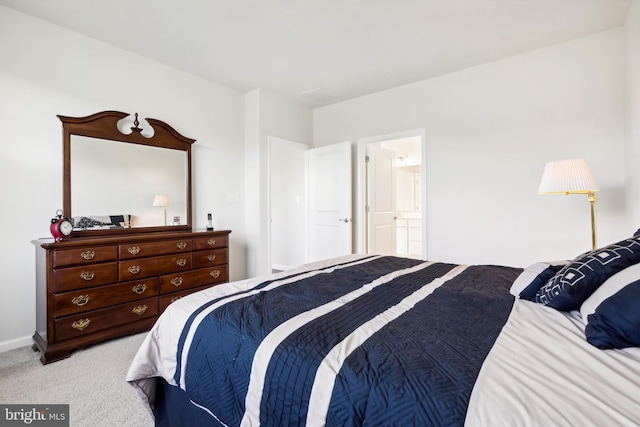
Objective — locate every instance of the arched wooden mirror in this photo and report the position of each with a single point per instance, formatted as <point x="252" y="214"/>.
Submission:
<point x="117" y="181"/>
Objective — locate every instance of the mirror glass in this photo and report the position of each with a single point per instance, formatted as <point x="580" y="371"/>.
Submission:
<point x="112" y="179"/>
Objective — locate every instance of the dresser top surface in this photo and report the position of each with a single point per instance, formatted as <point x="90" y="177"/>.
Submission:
<point x="50" y="243"/>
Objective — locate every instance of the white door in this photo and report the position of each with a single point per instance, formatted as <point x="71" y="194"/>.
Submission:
<point x="381" y="200"/>
<point x="287" y="203"/>
<point x="330" y="215"/>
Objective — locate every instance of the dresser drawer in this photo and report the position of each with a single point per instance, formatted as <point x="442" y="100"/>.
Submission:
<point x="138" y="268"/>
<point x="103" y="296"/>
<point x="190" y="279"/>
<point x="210" y="242"/>
<point x="97" y="320"/>
<point x="209" y="258"/>
<point x="140" y="250"/>
<point x="66" y="279"/>
<point x="167" y="299"/>
<point x="81" y="256"/>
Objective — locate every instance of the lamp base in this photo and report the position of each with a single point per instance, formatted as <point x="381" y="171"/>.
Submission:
<point x="594" y="232"/>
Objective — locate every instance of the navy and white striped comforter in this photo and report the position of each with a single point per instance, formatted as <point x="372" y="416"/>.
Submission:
<point x="376" y="340"/>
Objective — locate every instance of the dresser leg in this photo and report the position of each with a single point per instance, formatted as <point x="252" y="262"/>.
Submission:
<point x="50" y="353"/>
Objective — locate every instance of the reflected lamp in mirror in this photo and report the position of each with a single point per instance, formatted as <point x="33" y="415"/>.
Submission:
<point x="571" y="177"/>
<point x="162" y="201"/>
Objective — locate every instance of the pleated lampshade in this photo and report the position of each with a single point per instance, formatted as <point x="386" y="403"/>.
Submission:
<point x="567" y="177"/>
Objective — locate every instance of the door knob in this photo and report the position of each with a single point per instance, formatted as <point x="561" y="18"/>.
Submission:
<point x="345" y="220"/>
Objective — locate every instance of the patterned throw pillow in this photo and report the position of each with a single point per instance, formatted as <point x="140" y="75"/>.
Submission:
<point x="575" y="282"/>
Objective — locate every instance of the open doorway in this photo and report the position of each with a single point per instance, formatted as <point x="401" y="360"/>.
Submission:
<point x="403" y="230"/>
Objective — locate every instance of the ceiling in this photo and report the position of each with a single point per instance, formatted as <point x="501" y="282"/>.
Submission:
<point x="319" y="52"/>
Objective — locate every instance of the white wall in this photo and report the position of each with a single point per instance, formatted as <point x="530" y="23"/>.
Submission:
<point x="46" y="70"/>
<point x="489" y="131"/>
<point x="632" y="135"/>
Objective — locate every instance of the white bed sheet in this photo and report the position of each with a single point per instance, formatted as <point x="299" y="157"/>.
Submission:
<point x="542" y="372"/>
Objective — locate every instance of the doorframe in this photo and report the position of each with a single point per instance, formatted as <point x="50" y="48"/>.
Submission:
<point x="360" y="194"/>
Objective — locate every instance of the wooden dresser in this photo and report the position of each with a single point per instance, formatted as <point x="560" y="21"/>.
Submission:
<point x="90" y="290"/>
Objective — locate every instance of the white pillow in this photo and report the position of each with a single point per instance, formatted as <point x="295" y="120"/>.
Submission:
<point x="609" y="288"/>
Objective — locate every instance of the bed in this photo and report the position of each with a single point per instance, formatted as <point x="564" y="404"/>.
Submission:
<point x="381" y="340"/>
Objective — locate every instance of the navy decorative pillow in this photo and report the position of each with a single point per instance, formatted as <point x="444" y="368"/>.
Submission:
<point x="576" y="281"/>
<point x="616" y="321"/>
<point x="533" y="278"/>
<point x="609" y="288"/>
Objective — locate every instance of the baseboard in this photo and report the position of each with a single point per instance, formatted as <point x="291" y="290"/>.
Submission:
<point x="15" y="343"/>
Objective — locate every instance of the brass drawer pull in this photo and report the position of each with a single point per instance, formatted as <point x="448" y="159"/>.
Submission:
<point x="181" y="262"/>
<point x="211" y="242"/>
<point x="181" y="245"/>
<point x="139" y="288"/>
<point x="134" y="269"/>
<point x="81" y="324"/>
<point x="211" y="257"/>
<point x="139" y="310"/>
<point x="215" y="274"/>
<point x="134" y="250"/>
<point x="174" y="299"/>
<point x="88" y="275"/>
<point x="88" y="254"/>
<point x="176" y="281"/>
<point x="80" y="300"/>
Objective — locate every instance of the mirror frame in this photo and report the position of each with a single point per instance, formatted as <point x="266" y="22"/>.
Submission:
<point x="104" y="125"/>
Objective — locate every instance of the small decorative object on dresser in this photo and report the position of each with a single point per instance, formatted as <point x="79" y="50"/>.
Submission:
<point x="60" y="227"/>
<point x="115" y="279"/>
<point x="209" y="223"/>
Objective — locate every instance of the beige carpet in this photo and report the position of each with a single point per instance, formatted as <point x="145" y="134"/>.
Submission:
<point x="91" y="381"/>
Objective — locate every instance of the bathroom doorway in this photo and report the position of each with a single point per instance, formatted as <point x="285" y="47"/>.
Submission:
<point x="393" y="214"/>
